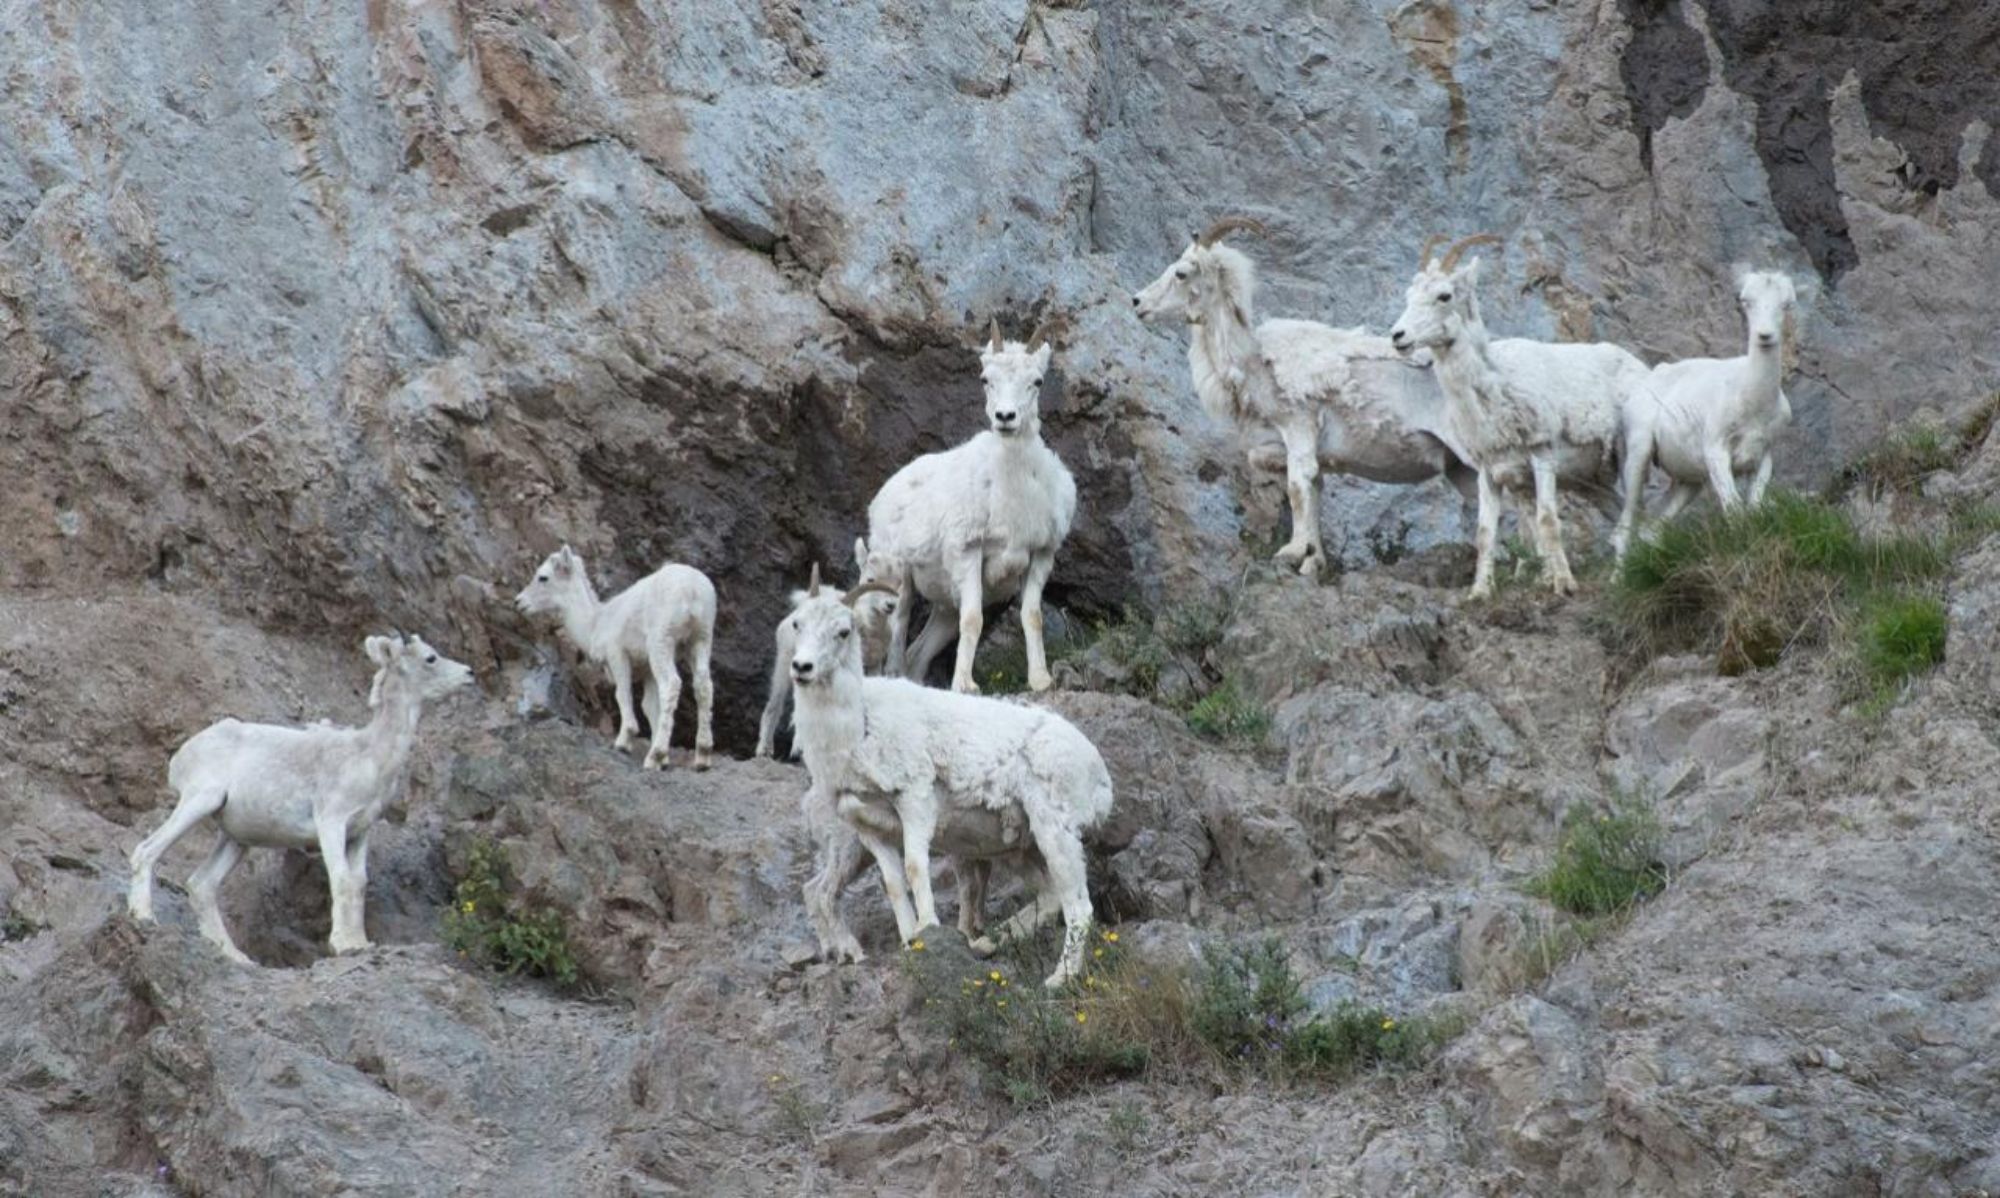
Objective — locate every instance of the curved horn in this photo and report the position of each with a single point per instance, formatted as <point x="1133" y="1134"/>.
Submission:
<point x="1452" y="255"/>
<point x="993" y="334"/>
<point x="1041" y="333"/>
<point x="867" y="588"/>
<point x="1430" y="247"/>
<point x="812" y="588"/>
<point x="1230" y="224"/>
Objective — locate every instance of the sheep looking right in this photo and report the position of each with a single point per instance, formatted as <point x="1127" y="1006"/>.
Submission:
<point x="930" y="755"/>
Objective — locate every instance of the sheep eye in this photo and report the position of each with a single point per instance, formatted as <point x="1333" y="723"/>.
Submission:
<point x="541" y="578"/>
<point x="1444" y="297"/>
<point x="1181" y="273"/>
<point x="432" y="659"/>
<point x="795" y="625"/>
<point x="1037" y="382"/>
<point x="844" y="633"/>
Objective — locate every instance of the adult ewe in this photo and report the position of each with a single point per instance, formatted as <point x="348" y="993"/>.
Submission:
<point x="649" y="622"/>
<point x="976" y="524"/>
<point x="298" y="788"/>
<point x="930" y="755"/>
<point x="1525" y="413"/>
<point x="1337" y="399"/>
<point x="873" y="610"/>
<point x="1706" y="420"/>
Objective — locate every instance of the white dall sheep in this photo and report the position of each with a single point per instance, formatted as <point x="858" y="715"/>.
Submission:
<point x="975" y="524"/>
<point x="300" y="788"/>
<point x="1525" y="413"/>
<point x="1338" y="399"/>
<point x="648" y="623"/>
<point x="873" y="611"/>
<point x="1706" y="420"/>
<point x="927" y="754"/>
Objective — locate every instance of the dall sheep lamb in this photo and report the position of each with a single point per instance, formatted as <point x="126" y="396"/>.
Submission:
<point x="1337" y="399"/>
<point x="1525" y="413"/>
<point x="319" y="787"/>
<point x="872" y="611"/>
<point x="929" y="755"/>
<point x="1706" y="420"/>
<point x="975" y="524"/>
<point x="669" y="610"/>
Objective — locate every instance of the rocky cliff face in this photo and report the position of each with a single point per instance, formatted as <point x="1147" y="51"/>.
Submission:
<point x="316" y="320"/>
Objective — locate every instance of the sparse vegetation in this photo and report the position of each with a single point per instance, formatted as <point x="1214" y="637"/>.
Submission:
<point x="800" y="1116"/>
<point x="1229" y="713"/>
<point x="487" y="924"/>
<point x="1240" y="1015"/>
<point x="1752" y="584"/>
<point x="1909" y="455"/>
<point x="1901" y="636"/>
<point x="16" y="926"/>
<point x="1606" y="861"/>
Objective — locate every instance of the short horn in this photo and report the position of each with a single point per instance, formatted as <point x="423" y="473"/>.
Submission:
<point x="1430" y="247"/>
<point x="864" y="589"/>
<point x="812" y="588"/>
<point x="993" y="334"/>
<point x="1452" y="255"/>
<point x="1230" y="224"/>
<point x="1040" y="336"/>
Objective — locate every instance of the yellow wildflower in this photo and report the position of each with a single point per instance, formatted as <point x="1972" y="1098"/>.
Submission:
<point x="1097" y="952"/>
<point x="466" y="907"/>
<point x="1111" y="937"/>
<point x="1388" y="1025"/>
<point x="1000" y="1002"/>
<point x="1080" y="1017"/>
<point x="776" y="1078"/>
<point x="979" y="981"/>
<point x="994" y="974"/>
<point x="916" y="946"/>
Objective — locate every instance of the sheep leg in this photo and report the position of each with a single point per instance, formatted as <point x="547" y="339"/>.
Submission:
<point x="194" y="807"/>
<point x="621" y="681"/>
<point x="1062" y="855"/>
<point x="774" y="707"/>
<point x="1548" y="526"/>
<point x="1678" y="496"/>
<point x="1631" y="476"/>
<point x="1488" y="532"/>
<point x="894" y="665"/>
<point x="967" y="580"/>
<point x="348" y="934"/>
<point x="939" y="629"/>
<point x="660" y="660"/>
<point x="890" y="863"/>
<point x="1760" y="480"/>
<point x="917" y="808"/>
<point x="649" y="701"/>
<point x="1301" y="439"/>
<point x="1038" y="910"/>
<point x="206" y="885"/>
<point x="974" y="874"/>
<point x="704" y="700"/>
<point x="1721" y="474"/>
<point x="1031" y="620"/>
<point x="841" y="861"/>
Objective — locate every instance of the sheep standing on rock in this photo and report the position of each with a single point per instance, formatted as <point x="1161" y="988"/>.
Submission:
<point x="1337" y="399"/>
<point x="975" y="524"/>
<point x="650" y="621"/>
<point x="319" y="787"/>
<point x="873" y="613"/>
<point x="929" y="755"/>
<point x="1525" y="413"/>
<point x="1706" y="420"/>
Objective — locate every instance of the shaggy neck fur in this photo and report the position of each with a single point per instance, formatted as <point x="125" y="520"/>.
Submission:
<point x="831" y="721"/>
<point x="580" y="610"/>
<point x="1222" y="350"/>
<point x="392" y="733"/>
<point x="1484" y="418"/>
<point x="1764" y="371"/>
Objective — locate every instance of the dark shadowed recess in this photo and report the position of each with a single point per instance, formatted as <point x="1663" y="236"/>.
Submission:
<point x="1926" y="68"/>
<point x="755" y="512"/>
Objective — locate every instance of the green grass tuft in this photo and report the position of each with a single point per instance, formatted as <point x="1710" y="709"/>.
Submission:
<point x="1605" y="862"/>
<point x="1228" y="713"/>
<point x="1901" y="636"/>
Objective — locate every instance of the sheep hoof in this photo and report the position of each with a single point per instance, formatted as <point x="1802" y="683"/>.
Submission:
<point x="1482" y="590"/>
<point x="624" y="739"/>
<point x="1309" y="567"/>
<point x="703" y="760"/>
<point x="765" y="751"/>
<point x="983" y="947"/>
<point x="1289" y="554"/>
<point x="1565" y="585"/>
<point x="141" y="913"/>
<point x="342" y="948"/>
<point x="656" y="760"/>
<point x="236" y="954"/>
<point x="965" y="687"/>
<point x="1041" y="681"/>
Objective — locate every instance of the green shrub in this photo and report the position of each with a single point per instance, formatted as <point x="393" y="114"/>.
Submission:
<point x="487" y="924"/>
<point x="1908" y="455"/>
<point x="1750" y="584"/>
<point x="16" y="926"/>
<point x="1606" y="860"/>
<point x="1228" y="713"/>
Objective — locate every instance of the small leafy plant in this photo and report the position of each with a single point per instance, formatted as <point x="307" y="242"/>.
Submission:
<point x="486" y="923"/>
<point x="1606" y="861"/>
<point x="1228" y="713"/>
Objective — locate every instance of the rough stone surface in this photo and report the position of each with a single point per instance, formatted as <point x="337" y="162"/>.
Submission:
<point x="318" y="321"/>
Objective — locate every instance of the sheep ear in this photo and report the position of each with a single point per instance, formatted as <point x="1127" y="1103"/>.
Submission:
<point x="797" y="597"/>
<point x="377" y="649"/>
<point x="1470" y="271"/>
<point x="1194" y="237"/>
<point x="861" y="553"/>
<point x="1738" y="271"/>
<point x="1043" y="355"/>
